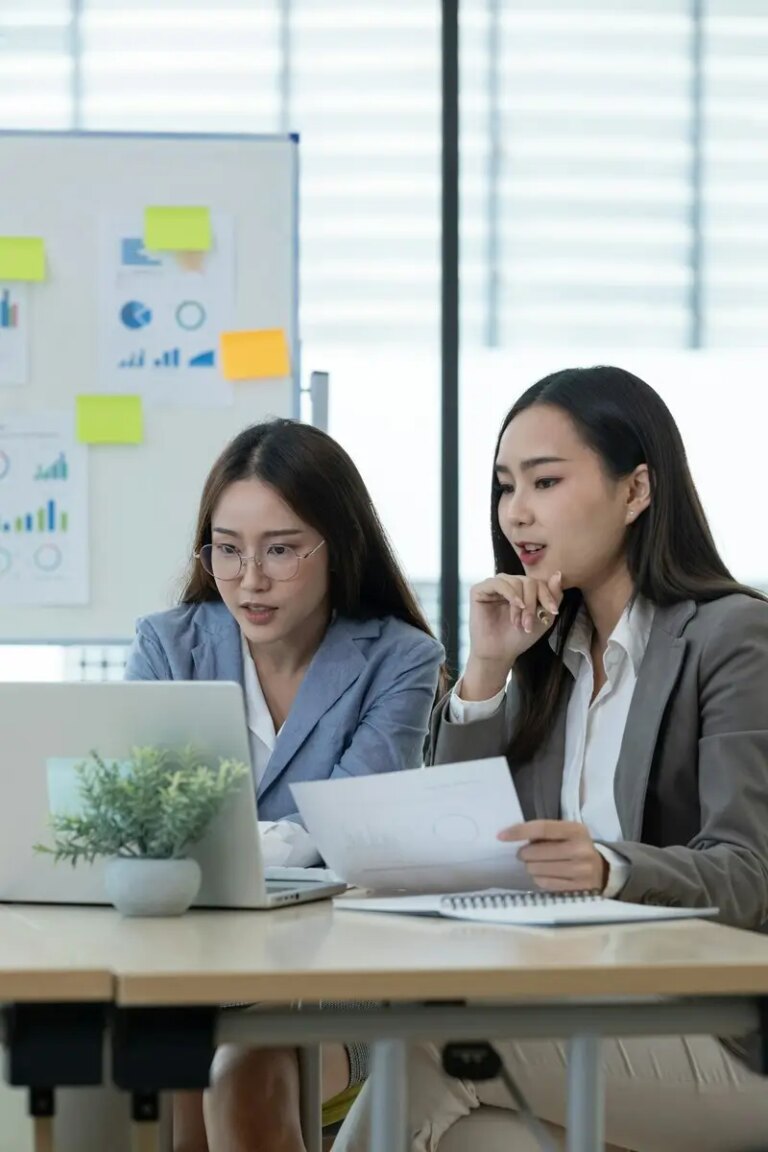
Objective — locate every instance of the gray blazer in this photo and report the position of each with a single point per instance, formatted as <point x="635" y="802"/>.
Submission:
<point x="363" y="705"/>
<point x="691" y="782"/>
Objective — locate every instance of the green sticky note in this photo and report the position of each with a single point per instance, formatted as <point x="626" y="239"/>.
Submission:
<point x="177" y="229"/>
<point x="109" y="420"/>
<point x="22" y="258"/>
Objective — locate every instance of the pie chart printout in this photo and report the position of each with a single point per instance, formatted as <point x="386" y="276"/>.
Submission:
<point x="134" y="314"/>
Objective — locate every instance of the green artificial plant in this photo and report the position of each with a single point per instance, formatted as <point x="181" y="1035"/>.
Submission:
<point x="154" y="805"/>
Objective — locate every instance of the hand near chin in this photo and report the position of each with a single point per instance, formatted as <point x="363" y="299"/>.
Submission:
<point x="507" y="616"/>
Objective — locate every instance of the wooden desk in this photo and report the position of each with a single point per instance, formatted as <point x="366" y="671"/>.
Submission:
<point x="36" y="966"/>
<point x="316" y="952"/>
<point x="577" y="983"/>
<point x="56" y="988"/>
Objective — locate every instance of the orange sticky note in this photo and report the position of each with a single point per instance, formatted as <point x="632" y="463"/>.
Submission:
<point x="261" y="354"/>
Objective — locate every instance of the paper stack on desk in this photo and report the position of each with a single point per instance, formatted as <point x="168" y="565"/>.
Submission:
<point x="426" y="830"/>
<point x="533" y="909"/>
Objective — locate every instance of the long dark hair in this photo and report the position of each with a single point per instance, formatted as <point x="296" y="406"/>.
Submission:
<point x="315" y="476"/>
<point x="670" y="552"/>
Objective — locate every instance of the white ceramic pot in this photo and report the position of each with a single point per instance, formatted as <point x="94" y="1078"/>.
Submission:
<point x="140" y="887"/>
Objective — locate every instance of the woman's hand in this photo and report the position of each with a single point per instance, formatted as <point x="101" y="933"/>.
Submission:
<point x="560" y="855"/>
<point x="507" y="616"/>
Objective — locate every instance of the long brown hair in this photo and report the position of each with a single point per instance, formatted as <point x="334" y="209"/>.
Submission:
<point x="315" y="476"/>
<point x="670" y="552"/>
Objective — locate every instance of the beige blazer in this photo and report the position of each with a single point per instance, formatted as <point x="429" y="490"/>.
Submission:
<point x="691" y="782"/>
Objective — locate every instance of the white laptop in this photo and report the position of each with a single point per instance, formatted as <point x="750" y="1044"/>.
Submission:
<point x="48" y="728"/>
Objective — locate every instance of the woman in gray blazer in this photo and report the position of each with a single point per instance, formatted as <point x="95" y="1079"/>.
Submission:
<point x="624" y="673"/>
<point x="293" y="592"/>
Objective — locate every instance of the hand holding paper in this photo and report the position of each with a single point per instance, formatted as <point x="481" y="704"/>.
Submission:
<point x="426" y="830"/>
<point x="560" y="855"/>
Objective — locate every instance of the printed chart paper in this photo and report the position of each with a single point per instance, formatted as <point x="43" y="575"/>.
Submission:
<point x="161" y="314"/>
<point x="14" y="332"/>
<point x="424" y="830"/>
<point x="43" y="511"/>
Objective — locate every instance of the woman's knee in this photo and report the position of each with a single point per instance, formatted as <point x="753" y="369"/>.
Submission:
<point x="257" y="1087"/>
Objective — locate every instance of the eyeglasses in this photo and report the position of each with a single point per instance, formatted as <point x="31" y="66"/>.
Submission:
<point x="278" y="562"/>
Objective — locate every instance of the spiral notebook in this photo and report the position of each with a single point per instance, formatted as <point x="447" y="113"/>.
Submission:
<point x="497" y="906"/>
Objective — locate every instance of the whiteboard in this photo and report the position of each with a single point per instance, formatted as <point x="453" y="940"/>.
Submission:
<point x="142" y="499"/>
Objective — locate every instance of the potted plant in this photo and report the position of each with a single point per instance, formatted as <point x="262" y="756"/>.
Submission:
<point x="143" y="815"/>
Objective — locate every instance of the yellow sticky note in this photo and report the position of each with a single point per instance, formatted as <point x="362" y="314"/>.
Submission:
<point x="22" y="258"/>
<point x="257" y="355"/>
<point x="178" y="229"/>
<point x="109" y="420"/>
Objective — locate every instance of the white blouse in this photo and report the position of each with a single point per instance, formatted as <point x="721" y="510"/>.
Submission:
<point x="283" y="842"/>
<point x="594" y="729"/>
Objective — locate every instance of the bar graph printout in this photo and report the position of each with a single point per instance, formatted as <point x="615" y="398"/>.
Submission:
<point x="43" y="511"/>
<point x="161" y="313"/>
<point x="14" y="332"/>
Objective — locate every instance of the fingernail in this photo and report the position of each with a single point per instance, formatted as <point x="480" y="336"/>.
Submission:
<point x="527" y="623"/>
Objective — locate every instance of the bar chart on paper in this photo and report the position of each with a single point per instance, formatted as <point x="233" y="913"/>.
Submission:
<point x="160" y="314"/>
<point x="43" y="512"/>
<point x="13" y="333"/>
<point x="45" y="519"/>
<point x="9" y="310"/>
<point x="57" y="470"/>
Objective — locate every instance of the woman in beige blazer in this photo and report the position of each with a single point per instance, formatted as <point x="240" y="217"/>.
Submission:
<point x="624" y="672"/>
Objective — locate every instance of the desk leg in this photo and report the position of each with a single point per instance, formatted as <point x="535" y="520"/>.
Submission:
<point x="42" y="1108"/>
<point x="586" y="1103"/>
<point x="145" y="1137"/>
<point x="43" y="1134"/>
<point x="389" y="1097"/>
<point x="145" y="1122"/>
<point x="311" y="1098"/>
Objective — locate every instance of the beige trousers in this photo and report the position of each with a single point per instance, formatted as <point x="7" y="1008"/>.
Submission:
<point x="663" y="1094"/>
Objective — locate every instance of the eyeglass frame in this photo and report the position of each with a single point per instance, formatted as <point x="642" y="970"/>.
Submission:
<point x="245" y="561"/>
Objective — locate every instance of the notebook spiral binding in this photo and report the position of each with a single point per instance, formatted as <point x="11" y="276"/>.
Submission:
<point x="518" y="899"/>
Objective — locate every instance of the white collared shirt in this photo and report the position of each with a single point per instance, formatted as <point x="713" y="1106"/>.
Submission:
<point x="593" y="729"/>
<point x="283" y="842"/>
